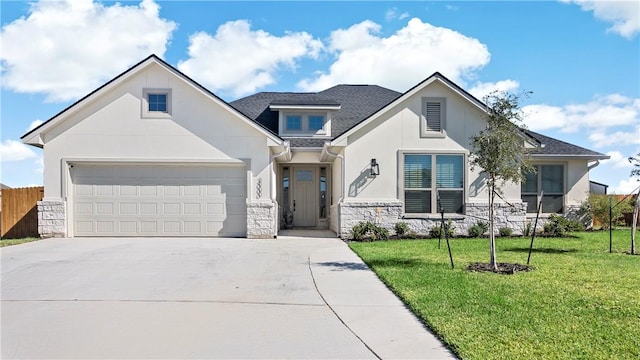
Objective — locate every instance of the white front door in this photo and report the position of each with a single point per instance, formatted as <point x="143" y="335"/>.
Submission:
<point x="305" y="196"/>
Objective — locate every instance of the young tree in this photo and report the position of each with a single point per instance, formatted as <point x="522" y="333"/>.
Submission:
<point x="635" y="172"/>
<point x="499" y="152"/>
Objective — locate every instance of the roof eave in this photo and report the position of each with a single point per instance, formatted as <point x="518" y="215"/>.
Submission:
<point x="569" y="156"/>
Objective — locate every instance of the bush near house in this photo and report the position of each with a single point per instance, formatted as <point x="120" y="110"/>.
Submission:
<point x="369" y="231"/>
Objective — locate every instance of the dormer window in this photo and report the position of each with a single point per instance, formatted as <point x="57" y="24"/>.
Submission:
<point x="304" y="124"/>
<point x="309" y="118"/>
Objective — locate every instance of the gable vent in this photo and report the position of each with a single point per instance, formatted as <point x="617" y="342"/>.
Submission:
<point x="433" y="115"/>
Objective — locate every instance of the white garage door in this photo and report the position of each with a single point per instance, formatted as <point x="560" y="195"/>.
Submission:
<point x="159" y="200"/>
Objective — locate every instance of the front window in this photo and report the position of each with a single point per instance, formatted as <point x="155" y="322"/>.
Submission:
<point x="429" y="188"/>
<point x="548" y="183"/>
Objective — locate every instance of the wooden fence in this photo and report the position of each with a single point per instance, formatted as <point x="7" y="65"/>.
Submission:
<point x="20" y="212"/>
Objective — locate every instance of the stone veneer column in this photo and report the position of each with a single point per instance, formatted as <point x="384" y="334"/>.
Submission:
<point x="260" y="220"/>
<point x="51" y="218"/>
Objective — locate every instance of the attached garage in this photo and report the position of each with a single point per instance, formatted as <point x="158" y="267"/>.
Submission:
<point x="159" y="200"/>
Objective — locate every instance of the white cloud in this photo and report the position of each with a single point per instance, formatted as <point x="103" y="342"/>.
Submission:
<point x="625" y="15"/>
<point x="625" y="186"/>
<point x="617" y="160"/>
<point x="392" y="14"/>
<point x="39" y="165"/>
<point x="247" y="59"/>
<point x="65" y="49"/>
<point x="34" y="124"/>
<point x="601" y="138"/>
<point x="13" y="150"/>
<point x="413" y="52"/>
<point x="601" y="113"/>
<point x="482" y="89"/>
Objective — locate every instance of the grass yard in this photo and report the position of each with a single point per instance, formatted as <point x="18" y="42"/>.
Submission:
<point x="9" y="242"/>
<point x="581" y="302"/>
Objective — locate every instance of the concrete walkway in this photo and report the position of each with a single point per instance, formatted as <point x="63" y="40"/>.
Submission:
<point x="291" y="297"/>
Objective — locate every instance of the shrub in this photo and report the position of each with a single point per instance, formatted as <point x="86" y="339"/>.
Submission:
<point x="364" y="230"/>
<point x="558" y="225"/>
<point x="402" y="228"/>
<point x="599" y="205"/>
<point x="505" y="231"/>
<point x="478" y="229"/>
<point x="436" y="231"/>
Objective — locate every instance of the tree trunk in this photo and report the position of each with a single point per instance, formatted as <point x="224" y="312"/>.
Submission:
<point x="634" y="223"/>
<point x="492" y="236"/>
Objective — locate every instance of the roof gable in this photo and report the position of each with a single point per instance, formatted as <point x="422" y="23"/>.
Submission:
<point x="417" y="88"/>
<point x="34" y="136"/>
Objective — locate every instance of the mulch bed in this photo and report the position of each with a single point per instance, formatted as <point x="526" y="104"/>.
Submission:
<point x="503" y="268"/>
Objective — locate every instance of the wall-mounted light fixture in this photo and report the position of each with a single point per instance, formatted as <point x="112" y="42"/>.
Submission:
<point x="375" y="168"/>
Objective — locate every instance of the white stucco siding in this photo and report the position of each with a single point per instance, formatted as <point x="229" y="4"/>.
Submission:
<point x="399" y="130"/>
<point x="113" y="127"/>
<point x="577" y="182"/>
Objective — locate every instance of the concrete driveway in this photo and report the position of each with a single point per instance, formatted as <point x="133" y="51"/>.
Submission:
<point x="201" y="298"/>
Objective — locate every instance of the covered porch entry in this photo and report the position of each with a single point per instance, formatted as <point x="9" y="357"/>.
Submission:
<point x="304" y="196"/>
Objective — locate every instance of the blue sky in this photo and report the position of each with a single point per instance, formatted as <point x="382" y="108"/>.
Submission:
<point x="581" y="59"/>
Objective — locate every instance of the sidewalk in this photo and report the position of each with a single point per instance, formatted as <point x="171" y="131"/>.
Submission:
<point x="369" y="309"/>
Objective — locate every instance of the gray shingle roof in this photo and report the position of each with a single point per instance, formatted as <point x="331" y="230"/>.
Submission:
<point x="555" y="147"/>
<point x="356" y="102"/>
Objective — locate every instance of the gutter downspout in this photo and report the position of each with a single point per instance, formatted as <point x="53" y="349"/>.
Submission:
<point x="589" y="167"/>
<point x="276" y="223"/>
<point x="342" y="181"/>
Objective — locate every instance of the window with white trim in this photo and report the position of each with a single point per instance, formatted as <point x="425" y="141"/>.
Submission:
<point x="548" y="180"/>
<point x="433" y="119"/>
<point x="304" y="124"/>
<point x="431" y="182"/>
<point x="156" y="103"/>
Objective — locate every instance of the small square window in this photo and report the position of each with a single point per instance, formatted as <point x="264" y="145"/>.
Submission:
<point x="157" y="102"/>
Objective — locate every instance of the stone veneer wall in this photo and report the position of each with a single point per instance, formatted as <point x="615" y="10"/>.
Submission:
<point x="383" y="213"/>
<point x="51" y="218"/>
<point x="260" y="220"/>
<point x="333" y="218"/>
<point x="387" y="214"/>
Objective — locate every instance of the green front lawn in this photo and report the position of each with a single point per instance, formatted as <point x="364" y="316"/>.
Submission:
<point x="581" y="302"/>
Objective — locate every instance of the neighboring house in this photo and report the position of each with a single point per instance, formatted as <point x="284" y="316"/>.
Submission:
<point x="598" y="188"/>
<point x="153" y="153"/>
